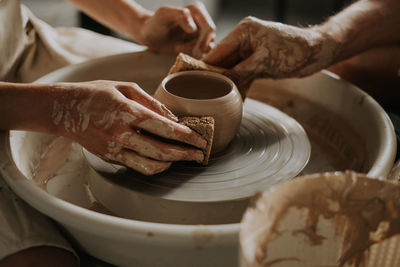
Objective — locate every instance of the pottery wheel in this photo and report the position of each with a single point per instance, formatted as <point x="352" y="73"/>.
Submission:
<point x="269" y="148"/>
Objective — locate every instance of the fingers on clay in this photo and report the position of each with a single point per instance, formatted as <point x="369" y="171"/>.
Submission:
<point x="133" y="92"/>
<point x="141" y="164"/>
<point x="163" y="127"/>
<point x="156" y="149"/>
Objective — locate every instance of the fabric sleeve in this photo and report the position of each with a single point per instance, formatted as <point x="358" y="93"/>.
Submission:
<point x="24" y="227"/>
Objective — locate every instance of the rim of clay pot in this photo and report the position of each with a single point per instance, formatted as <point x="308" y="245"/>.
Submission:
<point x="233" y="90"/>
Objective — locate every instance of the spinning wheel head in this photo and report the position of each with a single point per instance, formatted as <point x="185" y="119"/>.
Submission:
<point x="269" y="148"/>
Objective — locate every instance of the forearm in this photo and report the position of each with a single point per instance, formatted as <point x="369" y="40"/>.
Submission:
<point x="123" y="16"/>
<point x="364" y="25"/>
<point x="28" y="107"/>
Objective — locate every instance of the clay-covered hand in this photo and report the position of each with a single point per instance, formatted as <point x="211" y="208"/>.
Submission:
<point x="257" y="48"/>
<point x="171" y="30"/>
<point x="121" y="123"/>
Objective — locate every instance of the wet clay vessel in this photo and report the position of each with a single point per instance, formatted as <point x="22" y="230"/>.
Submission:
<point x="204" y="93"/>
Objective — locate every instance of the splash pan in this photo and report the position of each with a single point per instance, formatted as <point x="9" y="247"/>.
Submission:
<point x="269" y="148"/>
<point x="347" y="129"/>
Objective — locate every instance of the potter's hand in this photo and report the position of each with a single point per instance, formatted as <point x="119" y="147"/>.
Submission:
<point x="119" y="122"/>
<point x="173" y="29"/>
<point x="257" y="48"/>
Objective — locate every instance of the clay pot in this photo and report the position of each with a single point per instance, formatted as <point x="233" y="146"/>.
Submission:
<point x="204" y="93"/>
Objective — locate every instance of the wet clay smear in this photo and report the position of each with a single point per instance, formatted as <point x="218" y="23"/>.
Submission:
<point x="341" y="145"/>
<point x="52" y="160"/>
<point x="362" y="212"/>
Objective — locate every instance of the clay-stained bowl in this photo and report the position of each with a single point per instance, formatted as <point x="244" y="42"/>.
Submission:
<point x="204" y="93"/>
<point x="335" y="112"/>
<point x="346" y="218"/>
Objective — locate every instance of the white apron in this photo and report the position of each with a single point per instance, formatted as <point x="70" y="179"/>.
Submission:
<point x="30" y="48"/>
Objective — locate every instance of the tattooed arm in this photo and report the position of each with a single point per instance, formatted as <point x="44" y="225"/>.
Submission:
<point x="108" y="118"/>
